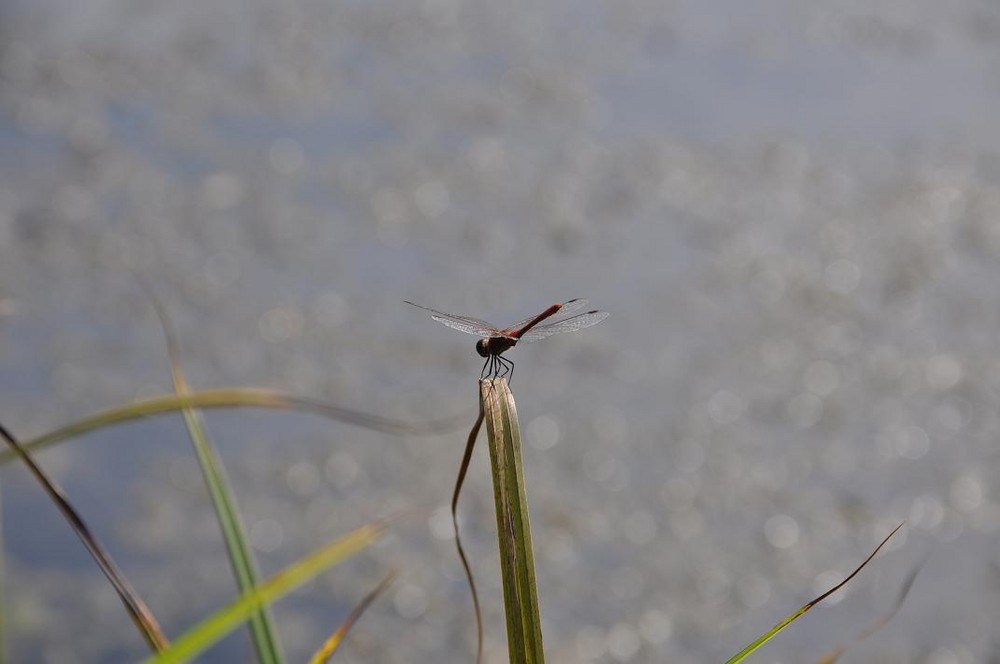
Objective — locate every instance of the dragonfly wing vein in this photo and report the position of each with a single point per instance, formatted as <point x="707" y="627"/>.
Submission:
<point x="577" y="322"/>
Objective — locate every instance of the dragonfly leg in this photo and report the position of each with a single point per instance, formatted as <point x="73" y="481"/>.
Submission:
<point x="506" y="368"/>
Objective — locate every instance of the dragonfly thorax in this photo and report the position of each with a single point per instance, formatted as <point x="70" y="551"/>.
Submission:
<point x="492" y="346"/>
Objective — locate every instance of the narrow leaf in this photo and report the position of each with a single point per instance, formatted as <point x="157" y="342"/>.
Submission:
<point x="333" y="642"/>
<point x="221" y="623"/>
<point x="137" y="609"/>
<point x="241" y="558"/>
<point x="764" y="638"/>
<point x="878" y="623"/>
<point x="231" y="397"/>
<point x="470" y="445"/>
<point x="517" y="565"/>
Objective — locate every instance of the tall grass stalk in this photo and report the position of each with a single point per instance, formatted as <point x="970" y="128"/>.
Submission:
<point x="241" y="558"/>
<point x="517" y="564"/>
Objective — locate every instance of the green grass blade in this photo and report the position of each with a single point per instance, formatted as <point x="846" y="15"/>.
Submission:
<point x="215" y="627"/>
<point x="229" y="397"/>
<point x="767" y="636"/>
<point x="517" y="565"/>
<point x="241" y="558"/>
<point x="237" y="546"/>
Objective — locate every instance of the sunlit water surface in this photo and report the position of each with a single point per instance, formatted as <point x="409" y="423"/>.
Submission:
<point x="792" y="212"/>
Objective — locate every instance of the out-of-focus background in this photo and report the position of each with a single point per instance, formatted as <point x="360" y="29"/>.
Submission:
<point x="792" y="211"/>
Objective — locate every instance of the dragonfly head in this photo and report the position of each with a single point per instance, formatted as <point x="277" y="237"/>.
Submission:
<point x="482" y="347"/>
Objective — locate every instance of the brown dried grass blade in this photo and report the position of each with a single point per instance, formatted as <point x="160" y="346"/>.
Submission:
<point x="333" y="642"/>
<point x="137" y="609"/>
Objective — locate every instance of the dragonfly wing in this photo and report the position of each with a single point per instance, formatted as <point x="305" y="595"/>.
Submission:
<point x="577" y="322"/>
<point x="469" y="326"/>
<point x="465" y="324"/>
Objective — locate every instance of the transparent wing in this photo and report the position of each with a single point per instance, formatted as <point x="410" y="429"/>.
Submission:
<point x="577" y="322"/>
<point x="568" y="307"/>
<point x="461" y="323"/>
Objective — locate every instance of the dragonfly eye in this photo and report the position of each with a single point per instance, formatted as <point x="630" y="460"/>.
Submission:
<point x="482" y="349"/>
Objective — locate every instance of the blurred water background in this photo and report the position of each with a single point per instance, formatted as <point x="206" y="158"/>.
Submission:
<point x="792" y="211"/>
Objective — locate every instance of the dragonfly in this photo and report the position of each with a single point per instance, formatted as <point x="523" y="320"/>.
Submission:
<point x="497" y="340"/>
